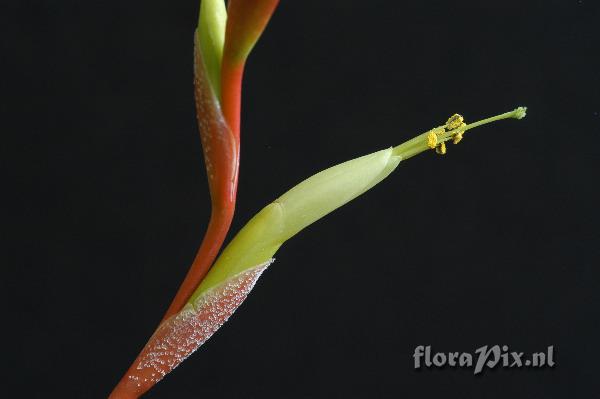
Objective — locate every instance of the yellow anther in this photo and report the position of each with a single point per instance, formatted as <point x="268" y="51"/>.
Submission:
<point x="454" y="121"/>
<point x="432" y="139"/>
<point x="457" y="137"/>
<point x="441" y="149"/>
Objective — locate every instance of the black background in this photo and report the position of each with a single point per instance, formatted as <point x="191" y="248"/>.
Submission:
<point x="495" y="243"/>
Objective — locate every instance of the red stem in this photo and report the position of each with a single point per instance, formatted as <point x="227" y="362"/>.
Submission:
<point x="220" y="221"/>
<point x="231" y="95"/>
<point x="221" y="152"/>
<point x="220" y="132"/>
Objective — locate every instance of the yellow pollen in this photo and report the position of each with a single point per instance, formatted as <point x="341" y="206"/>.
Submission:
<point x="432" y="139"/>
<point x="441" y="149"/>
<point x="457" y="137"/>
<point x="454" y="121"/>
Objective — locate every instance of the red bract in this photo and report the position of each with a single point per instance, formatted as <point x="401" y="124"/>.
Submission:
<point x="219" y="123"/>
<point x="221" y="156"/>
<point x="181" y="334"/>
<point x="246" y="20"/>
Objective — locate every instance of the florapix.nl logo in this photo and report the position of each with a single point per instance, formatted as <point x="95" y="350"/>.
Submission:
<point x="483" y="357"/>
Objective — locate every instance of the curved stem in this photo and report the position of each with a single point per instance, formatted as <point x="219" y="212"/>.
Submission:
<point x="220" y="221"/>
<point x="123" y="391"/>
<point x="231" y="96"/>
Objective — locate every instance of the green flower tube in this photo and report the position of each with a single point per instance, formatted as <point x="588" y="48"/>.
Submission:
<point x="304" y="204"/>
<point x="321" y="194"/>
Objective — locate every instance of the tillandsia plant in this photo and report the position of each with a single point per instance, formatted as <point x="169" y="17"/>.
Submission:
<point x="211" y="292"/>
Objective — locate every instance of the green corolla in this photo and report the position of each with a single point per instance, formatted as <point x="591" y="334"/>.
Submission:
<point x="322" y="193"/>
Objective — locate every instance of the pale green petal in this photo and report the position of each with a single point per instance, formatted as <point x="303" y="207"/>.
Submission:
<point x="211" y="36"/>
<point x="304" y="204"/>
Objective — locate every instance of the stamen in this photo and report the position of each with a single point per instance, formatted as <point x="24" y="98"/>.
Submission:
<point x="458" y="136"/>
<point x="453" y="129"/>
<point x="455" y="121"/>
<point x="441" y="149"/>
<point x="432" y="139"/>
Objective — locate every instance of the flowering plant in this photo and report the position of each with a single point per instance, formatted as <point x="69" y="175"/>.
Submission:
<point x="213" y="290"/>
